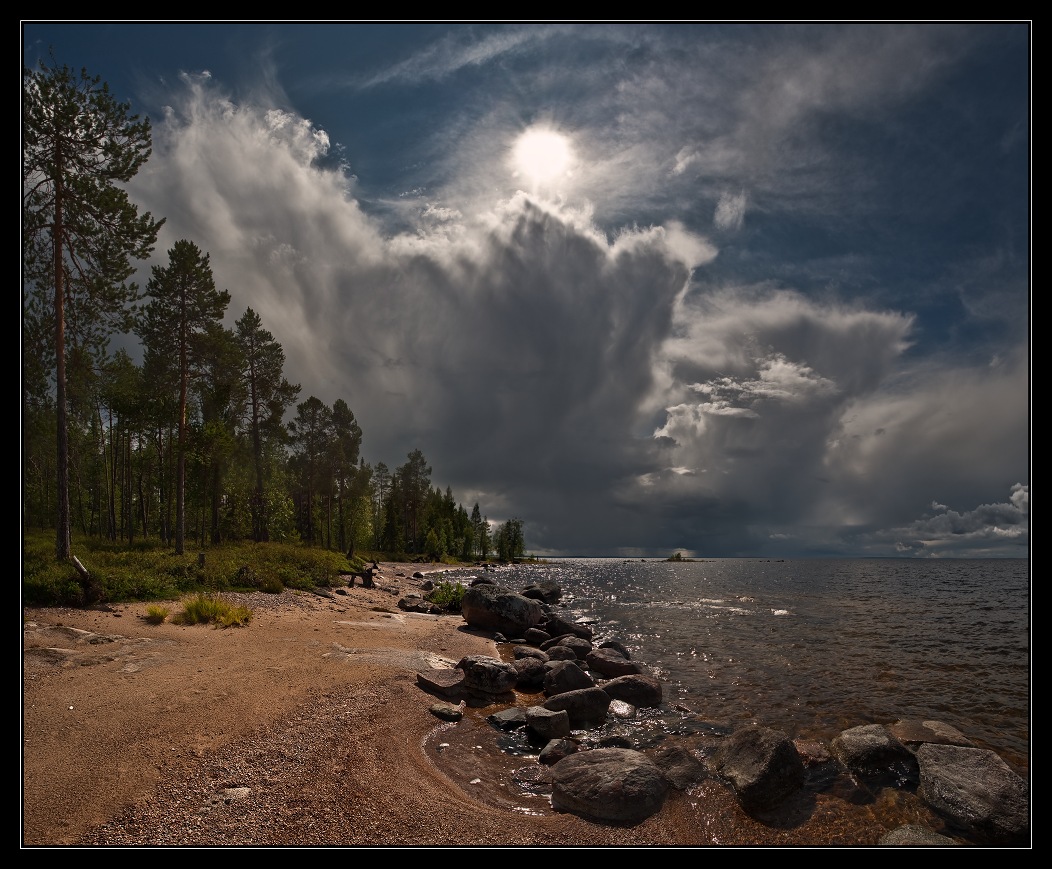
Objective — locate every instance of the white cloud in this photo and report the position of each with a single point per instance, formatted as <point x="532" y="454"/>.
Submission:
<point x="730" y="211"/>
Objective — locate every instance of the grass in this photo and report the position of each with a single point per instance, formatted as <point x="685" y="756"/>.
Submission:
<point x="151" y="571"/>
<point x="155" y="614"/>
<point x="211" y="609"/>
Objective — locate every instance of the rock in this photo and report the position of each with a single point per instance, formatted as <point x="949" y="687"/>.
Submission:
<point x="535" y="636"/>
<point x="447" y="711"/>
<point x="915" y="836"/>
<point x="617" y="785"/>
<point x="548" y="724"/>
<point x="546" y="590"/>
<point x="563" y="676"/>
<point x="580" y="647"/>
<point x="761" y="765"/>
<point x="976" y="791"/>
<point x="617" y="646"/>
<point x="586" y="707"/>
<point x="913" y="732"/>
<point x="508" y="719"/>
<point x="530" y="674"/>
<point x="611" y="663"/>
<point x="556" y="750"/>
<point x="681" y="768"/>
<point x="446" y="682"/>
<point x="869" y="751"/>
<point x="495" y="608"/>
<point x="487" y="675"/>
<point x="558" y="627"/>
<point x="636" y="688"/>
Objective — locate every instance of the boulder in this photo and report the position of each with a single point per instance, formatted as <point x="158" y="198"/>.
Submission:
<point x="869" y="751"/>
<point x="761" y="765"/>
<point x="610" y="663"/>
<point x="915" y="836"/>
<point x="487" y="675"/>
<point x="495" y="608"/>
<point x="547" y="723"/>
<point x="636" y="688"/>
<point x="976" y="791"/>
<point x="586" y="707"/>
<point x="618" y="785"/>
<point x="563" y="676"/>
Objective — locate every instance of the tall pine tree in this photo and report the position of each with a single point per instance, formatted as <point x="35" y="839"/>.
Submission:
<point x="184" y="301"/>
<point x="80" y="231"/>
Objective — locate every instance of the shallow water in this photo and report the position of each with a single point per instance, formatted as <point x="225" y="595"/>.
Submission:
<point x="808" y="647"/>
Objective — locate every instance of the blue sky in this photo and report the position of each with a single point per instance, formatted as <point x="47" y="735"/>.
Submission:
<point x="731" y="289"/>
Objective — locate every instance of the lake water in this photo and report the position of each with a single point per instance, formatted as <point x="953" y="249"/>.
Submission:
<point x="809" y="647"/>
<point x="814" y="647"/>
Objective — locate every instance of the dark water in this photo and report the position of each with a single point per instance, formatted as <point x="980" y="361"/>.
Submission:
<point x="814" y="647"/>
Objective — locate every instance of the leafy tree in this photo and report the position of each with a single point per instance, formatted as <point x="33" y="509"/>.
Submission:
<point x="509" y="540"/>
<point x="269" y="396"/>
<point x="80" y="230"/>
<point x="415" y="475"/>
<point x="184" y="301"/>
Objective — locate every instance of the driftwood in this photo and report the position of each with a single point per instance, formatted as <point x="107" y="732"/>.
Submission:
<point x="81" y="569"/>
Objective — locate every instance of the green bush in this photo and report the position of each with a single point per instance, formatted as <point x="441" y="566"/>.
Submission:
<point x="448" y="595"/>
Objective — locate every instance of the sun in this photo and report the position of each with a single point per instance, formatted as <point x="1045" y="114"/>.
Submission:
<point x="542" y="156"/>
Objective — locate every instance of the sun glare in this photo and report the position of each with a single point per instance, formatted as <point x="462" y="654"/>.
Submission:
<point x="542" y="156"/>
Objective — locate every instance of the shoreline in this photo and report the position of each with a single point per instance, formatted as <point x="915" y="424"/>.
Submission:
<point x="307" y="728"/>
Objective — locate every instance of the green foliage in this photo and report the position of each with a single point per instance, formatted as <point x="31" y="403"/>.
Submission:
<point x="212" y="609"/>
<point x="150" y="571"/>
<point x="447" y="594"/>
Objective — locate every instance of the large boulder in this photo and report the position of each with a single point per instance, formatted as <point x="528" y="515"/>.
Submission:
<point x="486" y="675"/>
<point x="611" y="663"/>
<point x="496" y="608"/>
<point x="975" y="791"/>
<point x="586" y="707"/>
<point x="559" y="627"/>
<point x="870" y="751"/>
<point x="639" y="689"/>
<point x="618" y="785"/>
<point x="762" y="766"/>
<point x="563" y="676"/>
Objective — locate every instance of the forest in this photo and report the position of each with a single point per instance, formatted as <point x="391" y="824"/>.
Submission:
<point x="144" y="415"/>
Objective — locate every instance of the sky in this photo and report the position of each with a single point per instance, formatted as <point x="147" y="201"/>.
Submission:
<point x="725" y="289"/>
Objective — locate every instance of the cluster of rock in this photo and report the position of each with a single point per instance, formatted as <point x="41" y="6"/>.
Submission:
<point x="586" y="683"/>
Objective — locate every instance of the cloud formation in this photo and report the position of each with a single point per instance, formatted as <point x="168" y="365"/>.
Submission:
<point x="628" y="386"/>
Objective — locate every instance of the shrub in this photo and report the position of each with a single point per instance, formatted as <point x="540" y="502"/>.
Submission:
<point x="208" y="608"/>
<point x="448" y="595"/>
<point x="155" y="614"/>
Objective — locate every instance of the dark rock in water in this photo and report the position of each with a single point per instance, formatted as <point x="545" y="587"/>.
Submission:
<point x="546" y="590"/>
<point x="635" y="688"/>
<point x="761" y="764"/>
<point x="681" y="768"/>
<point x="556" y="750"/>
<point x="617" y="785"/>
<point x="508" y="719"/>
<point x="548" y="724"/>
<point x="561" y="653"/>
<point x="580" y="646"/>
<point x="975" y="791"/>
<point x="531" y="673"/>
<point x="558" y="627"/>
<point x="525" y="651"/>
<point x="611" y="663"/>
<point x="869" y="751"/>
<point x="617" y="646"/>
<point x="915" y="836"/>
<point x="495" y="608"/>
<point x="913" y="732"/>
<point x="535" y="636"/>
<point x="563" y="676"/>
<point x="586" y="707"/>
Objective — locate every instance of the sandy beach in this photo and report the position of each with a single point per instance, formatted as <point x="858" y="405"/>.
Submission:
<point x="305" y="728"/>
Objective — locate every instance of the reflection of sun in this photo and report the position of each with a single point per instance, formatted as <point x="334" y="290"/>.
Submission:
<point x="542" y="155"/>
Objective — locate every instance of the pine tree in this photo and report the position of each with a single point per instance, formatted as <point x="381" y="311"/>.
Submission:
<point x="80" y="231"/>
<point x="269" y="396"/>
<point x="184" y="302"/>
